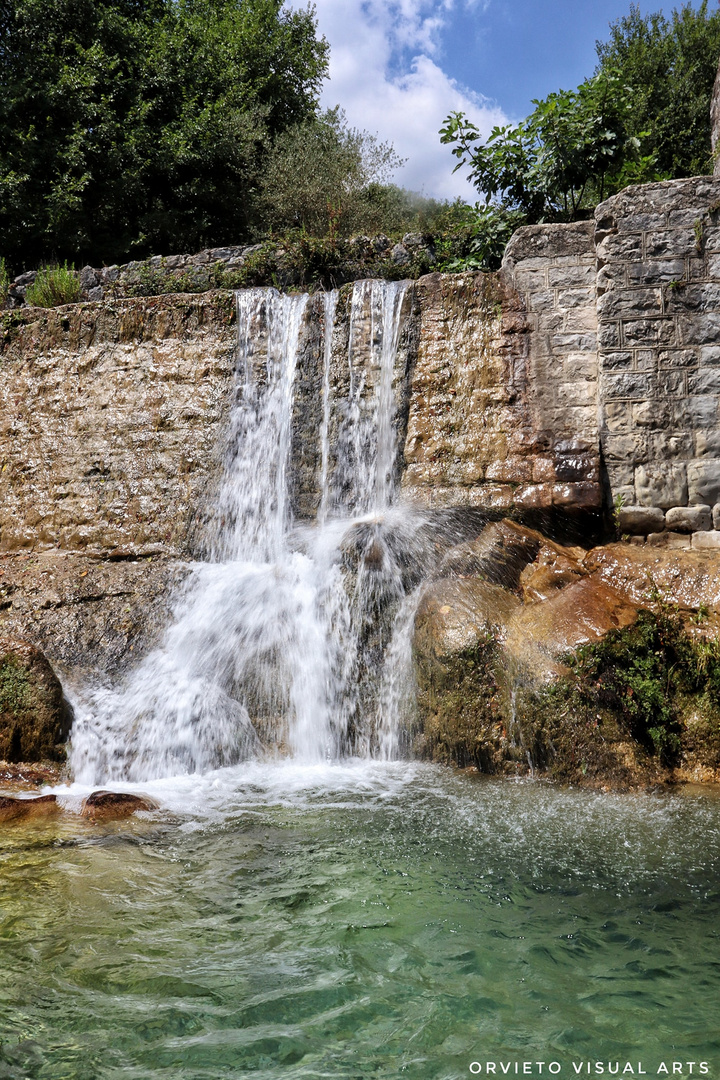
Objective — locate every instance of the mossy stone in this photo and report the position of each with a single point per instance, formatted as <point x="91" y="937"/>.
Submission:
<point x="35" y="718"/>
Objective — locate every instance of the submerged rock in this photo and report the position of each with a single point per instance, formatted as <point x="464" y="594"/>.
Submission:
<point x="114" y="805"/>
<point x="12" y="809"/>
<point x="35" y="718"/>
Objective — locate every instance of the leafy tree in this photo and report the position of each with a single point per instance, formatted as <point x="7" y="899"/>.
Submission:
<point x="571" y="151"/>
<point x="130" y="126"/>
<point x="644" y="115"/>
<point x="323" y="176"/>
<point x="670" y="64"/>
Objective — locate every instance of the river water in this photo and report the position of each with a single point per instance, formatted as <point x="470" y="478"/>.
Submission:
<point x="361" y="920"/>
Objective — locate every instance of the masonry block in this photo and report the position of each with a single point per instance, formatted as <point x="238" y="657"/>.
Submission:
<point x="661" y="484"/>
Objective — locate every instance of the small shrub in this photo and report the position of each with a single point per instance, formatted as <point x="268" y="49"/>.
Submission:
<point x="54" y="285"/>
<point x="4" y="282"/>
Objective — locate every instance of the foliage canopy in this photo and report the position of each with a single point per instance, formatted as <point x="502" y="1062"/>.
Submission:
<point x="130" y="126"/>
<point x="644" y="115"/>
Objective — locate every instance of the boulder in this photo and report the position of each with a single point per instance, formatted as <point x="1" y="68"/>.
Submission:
<point x="115" y="805"/>
<point x="453" y="615"/>
<point x="498" y="555"/>
<point x="540" y="634"/>
<point x="554" y="568"/>
<point x="35" y="717"/>
<point x="41" y="806"/>
<point x="688" y="579"/>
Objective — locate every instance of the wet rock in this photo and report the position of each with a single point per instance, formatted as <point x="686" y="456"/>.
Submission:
<point x="498" y="555"/>
<point x="553" y="569"/>
<point x="689" y="579"/>
<point x="455" y="614"/>
<point x="584" y="612"/>
<point x="115" y="805"/>
<point x="12" y="809"/>
<point x="457" y="656"/>
<point x="35" y="718"/>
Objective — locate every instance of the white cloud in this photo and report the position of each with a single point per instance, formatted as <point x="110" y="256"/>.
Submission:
<point x="385" y="75"/>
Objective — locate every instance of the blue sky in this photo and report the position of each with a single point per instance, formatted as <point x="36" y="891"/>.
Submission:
<point x="397" y="67"/>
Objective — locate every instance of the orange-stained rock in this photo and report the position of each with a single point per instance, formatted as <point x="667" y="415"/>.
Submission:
<point x="114" y="805"/>
<point x="12" y="809"/>
<point x="688" y="579"/>
<point x="539" y="634"/>
<point x="553" y="569"/>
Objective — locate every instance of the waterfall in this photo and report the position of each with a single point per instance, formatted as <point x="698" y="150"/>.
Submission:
<point x="294" y="637"/>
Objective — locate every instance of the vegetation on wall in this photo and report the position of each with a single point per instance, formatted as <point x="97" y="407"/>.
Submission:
<point x="653" y="684"/>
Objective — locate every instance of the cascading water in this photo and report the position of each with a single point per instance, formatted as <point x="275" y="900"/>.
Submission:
<point x="293" y="638"/>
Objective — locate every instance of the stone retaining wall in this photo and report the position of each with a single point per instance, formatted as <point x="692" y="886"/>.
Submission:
<point x="658" y="286"/>
<point x="623" y="316"/>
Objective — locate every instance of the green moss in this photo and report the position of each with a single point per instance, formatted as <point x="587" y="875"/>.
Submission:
<point x="459" y="718"/>
<point x="16" y="695"/>
<point x="644" y="698"/>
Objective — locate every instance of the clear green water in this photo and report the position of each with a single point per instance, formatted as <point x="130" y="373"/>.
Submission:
<point x="362" y="921"/>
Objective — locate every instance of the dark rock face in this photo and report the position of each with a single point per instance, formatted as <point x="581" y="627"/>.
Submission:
<point x="35" y="718"/>
<point x="115" y="805"/>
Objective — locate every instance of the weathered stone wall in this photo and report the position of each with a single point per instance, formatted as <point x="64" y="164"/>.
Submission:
<point x="496" y="419"/>
<point x="658" y="287"/>
<point x="109" y="422"/>
<point x="553" y="270"/>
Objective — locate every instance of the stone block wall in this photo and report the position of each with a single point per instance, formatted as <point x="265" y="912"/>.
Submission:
<point x="497" y="419"/>
<point x="552" y="269"/>
<point x="658" y="304"/>
<point x="109" y="423"/>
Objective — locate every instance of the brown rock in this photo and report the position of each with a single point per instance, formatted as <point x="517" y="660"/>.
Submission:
<point x="498" y="555"/>
<point x="12" y="809"/>
<point x="35" y="718"/>
<point x="586" y="611"/>
<point x="454" y="615"/>
<point x="689" y="579"/>
<point x="553" y="569"/>
<point x="114" y="805"/>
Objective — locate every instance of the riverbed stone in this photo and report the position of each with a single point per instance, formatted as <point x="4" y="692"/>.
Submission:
<point x="116" y="805"/>
<point x="39" y="806"/>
